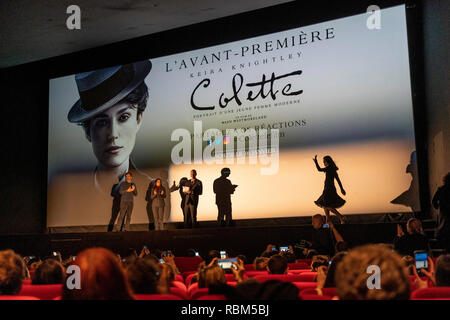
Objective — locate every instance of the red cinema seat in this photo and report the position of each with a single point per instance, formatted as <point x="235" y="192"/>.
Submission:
<point x="249" y="267"/>
<point x="311" y="294"/>
<point x="187" y="263"/>
<point x="304" y="285"/>
<point x="188" y="280"/>
<point x="212" y="297"/>
<point x="307" y="277"/>
<point x="281" y="277"/>
<point x="298" y="271"/>
<point x="436" y="293"/>
<point x="192" y="288"/>
<point x="156" y="297"/>
<point x="230" y="277"/>
<point x="42" y="291"/>
<point x="7" y="297"/>
<point x="182" y="293"/>
<point x="297" y="265"/>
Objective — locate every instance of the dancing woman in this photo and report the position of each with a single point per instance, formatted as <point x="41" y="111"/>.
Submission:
<point x="330" y="200"/>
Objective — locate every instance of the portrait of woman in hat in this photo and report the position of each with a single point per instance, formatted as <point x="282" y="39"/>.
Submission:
<point x="110" y="111"/>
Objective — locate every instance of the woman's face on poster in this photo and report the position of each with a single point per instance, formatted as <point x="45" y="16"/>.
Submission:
<point x="113" y="134"/>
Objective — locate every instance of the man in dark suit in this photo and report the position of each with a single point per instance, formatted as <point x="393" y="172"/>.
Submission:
<point x="223" y="190"/>
<point x="193" y="188"/>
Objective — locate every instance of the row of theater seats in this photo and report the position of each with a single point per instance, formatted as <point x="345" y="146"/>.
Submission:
<point x="306" y="292"/>
<point x="184" y="289"/>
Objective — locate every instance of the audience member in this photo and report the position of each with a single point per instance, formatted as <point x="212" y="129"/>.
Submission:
<point x="270" y="251"/>
<point x="211" y="275"/>
<point x="12" y="272"/>
<point x="414" y="239"/>
<point x="167" y="277"/>
<point x="143" y="276"/>
<point x="439" y="278"/>
<point x="322" y="238"/>
<point x="330" y="272"/>
<point x="49" y="272"/>
<point x="260" y="263"/>
<point x="211" y="256"/>
<point x="277" y="265"/>
<point x="409" y="263"/>
<point x="243" y="258"/>
<point x="318" y="261"/>
<point x="441" y="201"/>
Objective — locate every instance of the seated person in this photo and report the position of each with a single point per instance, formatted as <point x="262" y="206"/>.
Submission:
<point x="318" y="261"/>
<point x="414" y="239"/>
<point x="322" y="238"/>
<point x="260" y="263"/>
<point x="277" y="265"/>
<point x="166" y="278"/>
<point x="211" y="255"/>
<point x="270" y="251"/>
<point x="331" y="270"/>
<point x="440" y="277"/>
<point x="409" y="263"/>
<point x="12" y="272"/>
<point x="143" y="276"/>
<point x="49" y="272"/>
<point x="243" y="258"/>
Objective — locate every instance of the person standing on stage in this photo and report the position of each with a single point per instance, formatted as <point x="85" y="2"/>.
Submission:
<point x="330" y="200"/>
<point x="441" y="201"/>
<point x="127" y="192"/>
<point x="157" y="195"/>
<point x="192" y="189"/>
<point x="223" y="189"/>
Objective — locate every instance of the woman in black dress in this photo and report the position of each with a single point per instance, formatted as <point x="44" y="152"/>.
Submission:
<point x="330" y="200"/>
